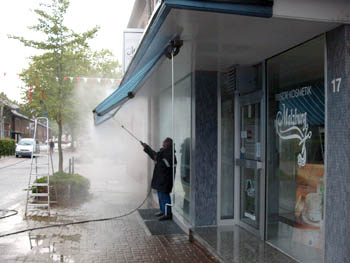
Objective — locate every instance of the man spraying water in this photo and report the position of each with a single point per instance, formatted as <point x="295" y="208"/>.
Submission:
<point x="162" y="179"/>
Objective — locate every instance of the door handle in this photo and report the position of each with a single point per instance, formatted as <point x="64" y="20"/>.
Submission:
<point x="249" y="163"/>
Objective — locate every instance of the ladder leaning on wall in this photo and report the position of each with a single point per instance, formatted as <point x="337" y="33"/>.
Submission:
<point x="38" y="193"/>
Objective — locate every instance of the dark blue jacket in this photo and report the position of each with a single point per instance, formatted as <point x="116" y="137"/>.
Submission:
<point x="162" y="180"/>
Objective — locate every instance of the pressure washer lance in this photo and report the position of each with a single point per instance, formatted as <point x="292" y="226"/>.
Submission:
<point x="131" y="134"/>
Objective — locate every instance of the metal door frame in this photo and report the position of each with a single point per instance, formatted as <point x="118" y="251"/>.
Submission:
<point x="255" y="97"/>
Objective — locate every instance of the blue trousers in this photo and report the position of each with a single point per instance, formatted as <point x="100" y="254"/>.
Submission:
<point x="164" y="198"/>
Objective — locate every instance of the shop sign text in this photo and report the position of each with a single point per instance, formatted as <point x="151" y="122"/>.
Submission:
<point x="294" y="93"/>
<point x="290" y="124"/>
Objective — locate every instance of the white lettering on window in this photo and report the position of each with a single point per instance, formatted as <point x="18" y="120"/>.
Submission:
<point x="287" y="122"/>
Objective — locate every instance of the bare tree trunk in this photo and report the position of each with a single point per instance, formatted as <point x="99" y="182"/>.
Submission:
<point x="60" y="153"/>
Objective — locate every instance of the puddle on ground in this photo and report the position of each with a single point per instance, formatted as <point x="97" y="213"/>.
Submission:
<point x="55" y="246"/>
<point x="57" y="218"/>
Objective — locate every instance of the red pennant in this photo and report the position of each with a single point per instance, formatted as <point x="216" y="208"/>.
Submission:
<point x="118" y="81"/>
<point x="4" y="74"/>
<point x="105" y="80"/>
<point x="78" y="79"/>
<point x="65" y="78"/>
<point x="42" y="95"/>
<point x="30" y="94"/>
<point x="37" y="87"/>
<point x="92" y="80"/>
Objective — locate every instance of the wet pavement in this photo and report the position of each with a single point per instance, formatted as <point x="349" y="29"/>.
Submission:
<point x="236" y="245"/>
<point x="113" y="192"/>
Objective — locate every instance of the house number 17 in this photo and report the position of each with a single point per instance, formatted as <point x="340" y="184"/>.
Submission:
<point x="336" y="84"/>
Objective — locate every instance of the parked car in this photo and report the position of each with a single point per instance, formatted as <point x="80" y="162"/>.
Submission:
<point x="26" y="147"/>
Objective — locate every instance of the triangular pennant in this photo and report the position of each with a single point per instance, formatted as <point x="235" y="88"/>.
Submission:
<point x="57" y="79"/>
<point x="78" y="79"/>
<point x="92" y="80"/>
<point x="85" y="80"/>
<point x="4" y="74"/>
<point x="112" y="81"/>
<point x="99" y="80"/>
<point x="30" y="94"/>
<point x="71" y="79"/>
<point x="106" y="80"/>
<point x="65" y="78"/>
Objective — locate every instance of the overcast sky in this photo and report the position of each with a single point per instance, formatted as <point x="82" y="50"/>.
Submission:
<point x="16" y="15"/>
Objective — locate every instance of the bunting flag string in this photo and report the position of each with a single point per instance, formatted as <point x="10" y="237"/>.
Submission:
<point x="71" y="79"/>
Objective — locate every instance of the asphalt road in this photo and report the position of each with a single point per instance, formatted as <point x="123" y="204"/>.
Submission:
<point x="14" y="176"/>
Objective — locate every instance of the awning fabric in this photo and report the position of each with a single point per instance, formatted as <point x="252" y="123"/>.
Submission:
<point x="126" y="90"/>
<point x="101" y="119"/>
<point x="152" y="46"/>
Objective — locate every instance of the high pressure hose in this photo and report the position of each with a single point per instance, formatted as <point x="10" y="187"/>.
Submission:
<point x="12" y="213"/>
<point x="84" y="221"/>
<point x="79" y="222"/>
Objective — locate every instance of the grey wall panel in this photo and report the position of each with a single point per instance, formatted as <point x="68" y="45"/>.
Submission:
<point x="337" y="214"/>
<point x="204" y="176"/>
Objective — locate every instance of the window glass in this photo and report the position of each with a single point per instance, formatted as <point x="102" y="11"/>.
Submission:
<point x="295" y="147"/>
<point x="182" y="112"/>
<point x="182" y="138"/>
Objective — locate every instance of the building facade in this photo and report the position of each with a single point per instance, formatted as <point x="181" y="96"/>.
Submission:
<point x="17" y="126"/>
<point x="256" y="96"/>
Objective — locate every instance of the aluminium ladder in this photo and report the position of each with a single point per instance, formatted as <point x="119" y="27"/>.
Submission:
<point x="37" y="201"/>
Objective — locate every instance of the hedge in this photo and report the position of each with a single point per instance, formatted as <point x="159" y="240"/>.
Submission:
<point x="71" y="188"/>
<point x="7" y="147"/>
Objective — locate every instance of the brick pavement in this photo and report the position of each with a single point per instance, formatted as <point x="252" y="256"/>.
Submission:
<point x="121" y="240"/>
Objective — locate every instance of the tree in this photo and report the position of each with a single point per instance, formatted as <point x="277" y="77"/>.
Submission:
<point x="4" y="97"/>
<point x="102" y="64"/>
<point x="63" y="53"/>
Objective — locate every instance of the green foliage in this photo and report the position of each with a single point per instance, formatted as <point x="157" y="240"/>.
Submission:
<point x="105" y="65"/>
<point x="4" y="97"/>
<point x="79" y="185"/>
<point x="7" y="147"/>
<point x="65" y="178"/>
<point x="63" y="53"/>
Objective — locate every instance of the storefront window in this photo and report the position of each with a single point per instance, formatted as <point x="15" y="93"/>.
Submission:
<point x="182" y="112"/>
<point x="295" y="148"/>
<point x="182" y="138"/>
<point x="176" y="122"/>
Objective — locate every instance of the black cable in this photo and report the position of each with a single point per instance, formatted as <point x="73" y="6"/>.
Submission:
<point x="10" y="165"/>
<point x="78" y="222"/>
<point x="13" y="213"/>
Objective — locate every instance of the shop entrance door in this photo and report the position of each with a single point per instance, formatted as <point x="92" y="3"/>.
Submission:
<point x="250" y="163"/>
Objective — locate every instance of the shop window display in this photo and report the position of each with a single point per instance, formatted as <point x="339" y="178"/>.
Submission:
<point x="296" y="119"/>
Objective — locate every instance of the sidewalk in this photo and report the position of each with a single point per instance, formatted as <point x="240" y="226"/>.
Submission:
<point x="120" y="240"/>
<point x="11" y="160"/>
